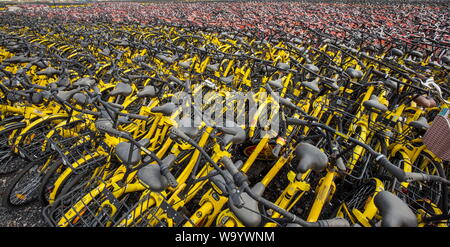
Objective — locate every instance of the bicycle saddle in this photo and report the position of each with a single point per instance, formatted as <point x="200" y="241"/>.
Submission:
<point x="283" y="66"/>
<point x="187" y="127"/>
<point x="123" y="152"/>
<point x="446" y="60"/>
<point x="370" y="48"/>
<point x="166" y="58"/>
<point x="63" y="82"/>
<point x="148" y="91"/>
<point x="354" y="74"/>
<point x="120" y="42"/>
<point x="312" y="85"/>
<point x="105" y="52"/>
<point x="416" y="54"/>
<point x="66" y="95"/>
<point x="310" y="157"/>
<point x="121" y="89"/>
<point x="80" y="98"/>
<point x="220" y="182"/>
<point x="374" y="103"/>
<point x="391" y="84"/>
<point x="180" y="48"/>
<point x="37" y="98"/>
<point x="84" y="82"/>
<point x="397" y="52"/>
<point x="213" y="67"/>
<point x="150" y="175"/>
<point x="233" y="133"/>
<point x="49" y="72"/>
<point x="185" y="65"/>
<point x="227" y="80"/>
<point x="312" y="68"/>
<point x="394" y="211"/>
<point x="420" y="124"/>
<point x="247" y="214"/>
<point x="18" y="59"/>
<point x="425" y="101"/>
<point x="276" y="83"/>
<point x="330" y="83"/>
<point x="166" y="109"/>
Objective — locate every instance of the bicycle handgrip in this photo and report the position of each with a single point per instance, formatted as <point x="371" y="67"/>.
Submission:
<point x="136" y="116"/>
<point x="335" y="222"/>
<point x="276" y="151"/>
<point x="229" y="165"/>
<point x="94" y="113"/>
<point x="107" y="129"/>
<point x="229" y="131"/>
<point x="392" y="169"/>
<point x="415" y="177"/>
<point x="114" y="105"/>
<point x="180" y="134"/>
<point x="295" y="121"/>
<point x="171" y="180"/>
<point x="236" y="200"/>
<point x="176" y="80"/>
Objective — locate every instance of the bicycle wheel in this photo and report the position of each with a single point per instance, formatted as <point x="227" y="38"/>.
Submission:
<point x="23" y="189"/>
<point x="30" y="144"/>
<point x="50" y="176"/>
<point x="8" y="160"/>
<point x="420" y="195"/>
<point x="48" y="192"/>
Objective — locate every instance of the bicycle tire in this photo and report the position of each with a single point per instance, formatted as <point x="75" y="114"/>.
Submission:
<point x="28" y="180"/>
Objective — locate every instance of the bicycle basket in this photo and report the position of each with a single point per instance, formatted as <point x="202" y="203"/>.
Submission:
<point x="92" y="204"/>
<point x="437" y="137"/>
<point x="77" y="152"/>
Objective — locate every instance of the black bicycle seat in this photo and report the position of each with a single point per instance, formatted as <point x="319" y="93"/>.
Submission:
<point x="416" y="54"/>
<point x="233" y="133"/>
<point x="420" y="124"/>
<point x="227" y="80"/>
<point x="166" y="109"/>
<point x="66" y="95"/>
<point x="148" y="91"/>
<point x="81" y="98"/>
<point x="63" y="82"/>
<point x="310" y="157"/>
<point x="330" y="83"/>
<point x="354" y="74"/>
<point x="84" y="82"/>
<point x="276" y="83"/>
<point x="213" y="67"/>
<point x="374" y="104"/>
<point x="249" y="214"/>
<point x="123" y="152"/>
<point x="151" y="176"/>
<point x="167" y="59"/>
<point x="397" y="52"/>
<point x="394" y="211"/>
<point x="312" y="67"/>
<point x="312" y="85"/>
<point x="185" y="65"/>
<point x="283" y="66"/>
<point x="121" y="89"/>
<point x="187" y="127"/>
<point x="49" y="72"/>
<point x="391" y="84"/>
